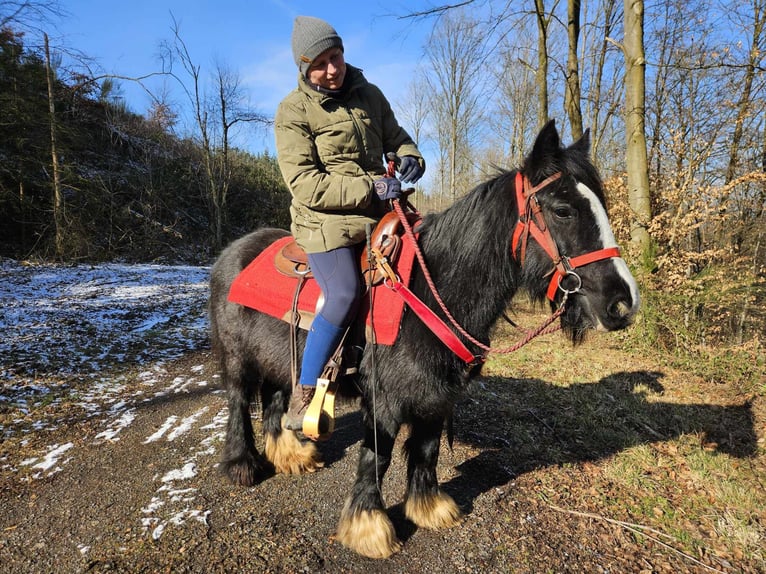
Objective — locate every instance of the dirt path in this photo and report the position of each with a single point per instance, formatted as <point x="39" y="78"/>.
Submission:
<point x="139" y="492"/>
<point x="565" y="460"/>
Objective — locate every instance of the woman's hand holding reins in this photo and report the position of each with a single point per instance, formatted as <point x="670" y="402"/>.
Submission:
<point x="410" y="170"/>
<point x="388" y="188"/>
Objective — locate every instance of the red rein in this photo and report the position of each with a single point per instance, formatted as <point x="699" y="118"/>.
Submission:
<point x="531" y="222"/>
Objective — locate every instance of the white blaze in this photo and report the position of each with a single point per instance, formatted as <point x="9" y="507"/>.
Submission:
<point x="608" y="240"/>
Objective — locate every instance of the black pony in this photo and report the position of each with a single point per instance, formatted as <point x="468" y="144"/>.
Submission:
<point x="468" y="250"/>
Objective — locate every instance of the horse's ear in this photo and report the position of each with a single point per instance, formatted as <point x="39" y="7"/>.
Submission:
<point x="546" y="147"/>
<point x="583" y="144"/>
<point x="547" y="142"/>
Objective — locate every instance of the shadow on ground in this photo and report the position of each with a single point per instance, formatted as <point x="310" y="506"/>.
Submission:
<point x="525" y="424"/>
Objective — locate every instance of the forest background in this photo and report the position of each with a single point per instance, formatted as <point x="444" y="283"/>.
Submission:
<point x="672" y="93"/>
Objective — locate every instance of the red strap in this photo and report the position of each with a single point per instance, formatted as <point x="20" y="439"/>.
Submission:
<point x="546" y="241"/>
<point x="531" y="219"/>
<point x="433" y="322"/>
<point x="580" y="261"/>
<point x="515" y="241"/>
<point x="519" y="232"/>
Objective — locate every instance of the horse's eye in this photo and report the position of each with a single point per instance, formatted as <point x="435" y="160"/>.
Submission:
<point x="563" y="212"/>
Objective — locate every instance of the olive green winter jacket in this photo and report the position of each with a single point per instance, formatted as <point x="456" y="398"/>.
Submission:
<point x="330" y="150"/>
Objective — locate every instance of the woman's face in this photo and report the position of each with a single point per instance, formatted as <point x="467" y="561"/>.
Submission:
<point x="328" y="70"/>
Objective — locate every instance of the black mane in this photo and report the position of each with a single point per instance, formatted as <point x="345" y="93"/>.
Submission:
<point x="467" y="247"/>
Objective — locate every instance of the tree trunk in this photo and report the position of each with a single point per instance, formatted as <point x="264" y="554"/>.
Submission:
<point x="572" y="93"/>
<point x="598" y="117"/>
<point x="541" y="75"/>
<point x="635" y="117"/>
<point x="58" y="197"/>
<point x="743" y="105"/>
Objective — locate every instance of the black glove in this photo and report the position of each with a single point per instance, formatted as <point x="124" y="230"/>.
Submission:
<point x="388" y="188"/>
<point x="410" y="170"/>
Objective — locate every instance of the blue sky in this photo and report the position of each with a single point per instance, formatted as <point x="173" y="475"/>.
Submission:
<point x="250" y="37"/>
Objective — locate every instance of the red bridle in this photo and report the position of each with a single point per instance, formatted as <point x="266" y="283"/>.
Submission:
<point x="531" y="221"/>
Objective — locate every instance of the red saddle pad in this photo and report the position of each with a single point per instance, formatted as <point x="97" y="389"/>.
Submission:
<point x="260" y="286"/>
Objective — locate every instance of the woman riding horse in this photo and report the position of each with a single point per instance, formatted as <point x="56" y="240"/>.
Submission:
<point x="332" y="132"/>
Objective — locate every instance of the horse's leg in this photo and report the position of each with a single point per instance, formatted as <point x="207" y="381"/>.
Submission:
<point x="364" y="525"/>
<point x="241" y="461"/>
<point x="283" y="448"/>
<point x="426" y="504"/>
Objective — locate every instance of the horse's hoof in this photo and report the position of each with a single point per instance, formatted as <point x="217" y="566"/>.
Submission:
<point x="433" y="511"/>
<point x="247" y="470"/>
<point x="291" y="456"/>
<point x="368" y="532"/>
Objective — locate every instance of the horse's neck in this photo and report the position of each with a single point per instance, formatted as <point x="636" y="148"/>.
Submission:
<point x="468" y="250"/>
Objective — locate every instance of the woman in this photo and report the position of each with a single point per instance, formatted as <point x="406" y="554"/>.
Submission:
<point x="332" y="134"/>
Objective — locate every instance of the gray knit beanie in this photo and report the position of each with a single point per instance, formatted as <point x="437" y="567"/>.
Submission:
<point x="311" y="37"/>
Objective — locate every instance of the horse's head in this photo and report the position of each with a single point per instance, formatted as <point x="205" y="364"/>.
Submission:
<point x="563" y="226"/>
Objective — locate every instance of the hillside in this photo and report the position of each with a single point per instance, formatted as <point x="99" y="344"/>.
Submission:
<point x="123" y="186"/>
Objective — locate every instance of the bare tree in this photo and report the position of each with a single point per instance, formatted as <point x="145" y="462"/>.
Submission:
<point x="572" y="93"/>
<point x="635" y="115"/>
<point x="456" y="80"/>
<point x="414" y="112"/>
<point x="602" y="90"/>
<point x="29" y="15"/>
<point x="541" y="77"/>
<point x="755" y="56"/>
<point x="214" y="116"/>
<point x="663" y="47"/>
<point x="231" y="110"/>
<point x="58" y="196"/>
<point x="515" y="121"/>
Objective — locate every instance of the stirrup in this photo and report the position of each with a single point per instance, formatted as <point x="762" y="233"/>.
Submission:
<point x="321" y="410"/>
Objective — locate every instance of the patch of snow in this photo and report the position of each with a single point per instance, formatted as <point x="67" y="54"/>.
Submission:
<point x="117" y="426"/>
<point x="157" y="532"/>
<point x="49" y="461"/>
<point x="188" y="471"/>
<point x="166" y="426"/>
<point x="181" y="495"/>
<point x="173" y="504"/>
<point x="199" y="515"/>
<point x="153" y="506"/>
<point x="186" y="424"/>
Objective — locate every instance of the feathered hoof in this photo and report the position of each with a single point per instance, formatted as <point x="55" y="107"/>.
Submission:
<point x="247" y="470"/>
<point x="433" y="511"/>
<point x="291" y="456"/>
<point x="368" y="532"/>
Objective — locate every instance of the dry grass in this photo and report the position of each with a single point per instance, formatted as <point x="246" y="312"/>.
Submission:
<point x="661" y="447"/>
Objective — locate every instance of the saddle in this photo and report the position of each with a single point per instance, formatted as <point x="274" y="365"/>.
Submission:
<point x="292" y="260"/>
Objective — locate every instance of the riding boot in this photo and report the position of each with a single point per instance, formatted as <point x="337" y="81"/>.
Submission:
<point x="322" y="340"/>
